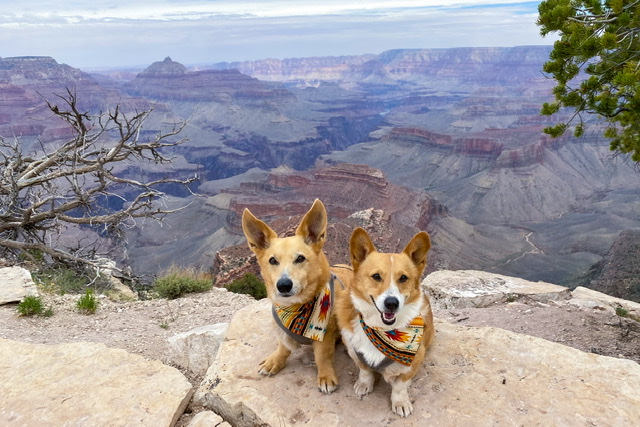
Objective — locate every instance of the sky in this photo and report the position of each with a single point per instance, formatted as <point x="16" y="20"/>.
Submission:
<point x="135" y="33"/>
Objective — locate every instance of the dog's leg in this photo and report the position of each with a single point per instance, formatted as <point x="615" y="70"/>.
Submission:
<point x="323" y="352"/>
<point x="364" y="384"/>
<point x="400" y="402"/>
<point x="276" y="360"/>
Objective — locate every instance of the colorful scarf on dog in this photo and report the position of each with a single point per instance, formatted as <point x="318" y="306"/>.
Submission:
<point x="399" y="345"/>
<point x="308" y="321"/>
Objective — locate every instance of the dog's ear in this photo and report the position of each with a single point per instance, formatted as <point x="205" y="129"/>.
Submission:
<point x="259" y="234"/>
<point x="360" y="246"/>
<point x="417" y="249"/>
<point x="313" y="227"/>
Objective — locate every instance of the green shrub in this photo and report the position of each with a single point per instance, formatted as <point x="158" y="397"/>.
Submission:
<point x="31" y="305"/>
<point x="178" y="283"/>
<point x="622" y="312"/>
<point x="249" y="284"/>
<point x="87" y="303"/>
<point x="65" y="280"/>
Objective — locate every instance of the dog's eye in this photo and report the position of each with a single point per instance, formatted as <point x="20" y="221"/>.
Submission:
<point x="273" y="261"/>
<point x="300" y="259"/>
<point x="403" y="279"/>
<point x="377" y="277"/>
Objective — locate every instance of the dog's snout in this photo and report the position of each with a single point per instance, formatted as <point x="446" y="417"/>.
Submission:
<point x="284" y="285"/>
<point x="391" y="303"/>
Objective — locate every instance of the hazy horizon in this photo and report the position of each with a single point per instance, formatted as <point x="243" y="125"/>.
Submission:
<point x="119" y="34"/>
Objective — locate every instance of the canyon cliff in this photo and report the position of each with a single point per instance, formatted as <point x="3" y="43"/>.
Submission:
<point x="447" y="140"/>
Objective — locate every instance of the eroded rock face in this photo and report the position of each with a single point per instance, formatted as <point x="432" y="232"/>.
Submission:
<point x="471" y="376"/>
<point x="470" y="288"/>
<point x="618" y="274"/>
<point x="15" y="284"/>
<point x="171" y="80"/>
<point x="80" y="384"/>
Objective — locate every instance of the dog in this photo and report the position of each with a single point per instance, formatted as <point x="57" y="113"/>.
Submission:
<point x="300" y="285"/>
<point x="384" y="318"/>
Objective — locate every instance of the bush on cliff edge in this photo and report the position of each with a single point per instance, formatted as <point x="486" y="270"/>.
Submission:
<point x="249" y="284"/>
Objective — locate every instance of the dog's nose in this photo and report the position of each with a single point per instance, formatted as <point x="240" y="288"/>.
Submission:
<point x="391" y="303"/>
<point x="284" y="285"/>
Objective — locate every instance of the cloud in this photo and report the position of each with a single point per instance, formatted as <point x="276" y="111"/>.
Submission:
<point x="115" y="32"/>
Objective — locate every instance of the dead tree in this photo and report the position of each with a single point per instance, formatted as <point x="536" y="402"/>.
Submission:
<point x="65" y="185"/>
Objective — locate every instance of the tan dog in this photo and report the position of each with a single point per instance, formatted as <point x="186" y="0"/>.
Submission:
<point x="384" y="317"/>
<point x="299" y="284"/>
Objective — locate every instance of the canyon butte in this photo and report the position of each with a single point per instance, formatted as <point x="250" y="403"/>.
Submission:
<point x="444" y="140"/>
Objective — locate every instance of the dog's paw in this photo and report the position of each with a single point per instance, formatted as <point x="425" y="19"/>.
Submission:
<point x="404" y="408"/>
<point x="362" y="388"/>
<point x="270" y="366"/>
<point x="364" y="384"/>
<point x="328" y="384"/>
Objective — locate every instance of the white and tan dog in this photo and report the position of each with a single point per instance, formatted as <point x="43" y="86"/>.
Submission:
<point x="384" y="318"/>
<point x="300" y="285"/>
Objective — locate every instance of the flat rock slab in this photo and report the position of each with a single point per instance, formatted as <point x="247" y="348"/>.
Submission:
<point x="86" y="384"/>
<point x="585" y="297"/>
<point x="471" y="288"/>
<point x="15" y="284"/>
<point x="472" y="376"/>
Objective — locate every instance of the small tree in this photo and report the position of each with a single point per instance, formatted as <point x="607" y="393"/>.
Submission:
<point x="596" y="64"/>
<point x="66" y="185"/>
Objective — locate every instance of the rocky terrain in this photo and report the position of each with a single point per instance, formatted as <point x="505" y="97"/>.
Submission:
<point x="475" y="312"/>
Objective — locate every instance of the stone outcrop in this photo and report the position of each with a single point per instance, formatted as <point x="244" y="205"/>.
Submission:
<point x="468" y="288"/>
<point x="195" y="350"/>
<point x="471" y="375"/>
<point x="588" y="298"/>
<point x="15" y="284"/>
<point x="80" y="384"/>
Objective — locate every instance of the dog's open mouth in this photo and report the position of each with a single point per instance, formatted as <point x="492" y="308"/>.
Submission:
<point x="388" y="317"/>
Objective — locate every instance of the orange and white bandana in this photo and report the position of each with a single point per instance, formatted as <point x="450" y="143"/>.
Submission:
<point x="307" y="321"/>
<point x="399" y="345"/>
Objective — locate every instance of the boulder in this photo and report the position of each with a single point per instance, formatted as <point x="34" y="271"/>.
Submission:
<point x="195" y="350"/>
<point x="471" y="376"/>
<point x="81" y="384"/>
<point x="120" y="292"/>
<point x="585" y="297"/>
<point x="15" y="284"/>
<point x="470" y="288"/>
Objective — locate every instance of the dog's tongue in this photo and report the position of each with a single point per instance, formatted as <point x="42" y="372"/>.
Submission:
<point x="389" y="316"/>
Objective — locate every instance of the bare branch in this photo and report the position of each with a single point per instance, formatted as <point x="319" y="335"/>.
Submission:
<point x="69" y="184"/>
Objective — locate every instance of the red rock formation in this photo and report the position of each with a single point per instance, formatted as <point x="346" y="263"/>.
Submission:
<point x="485" y="147"/>
<point x="169" y="80"/>
<point x="421" y="136"/>
<point x="522" y="156"/>
<point x="355" y="195"/>
<point x="25" y="84"/>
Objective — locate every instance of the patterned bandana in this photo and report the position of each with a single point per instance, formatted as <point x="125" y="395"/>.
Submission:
<point x="308" y="321"/>
<point x="399" y="345"/>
